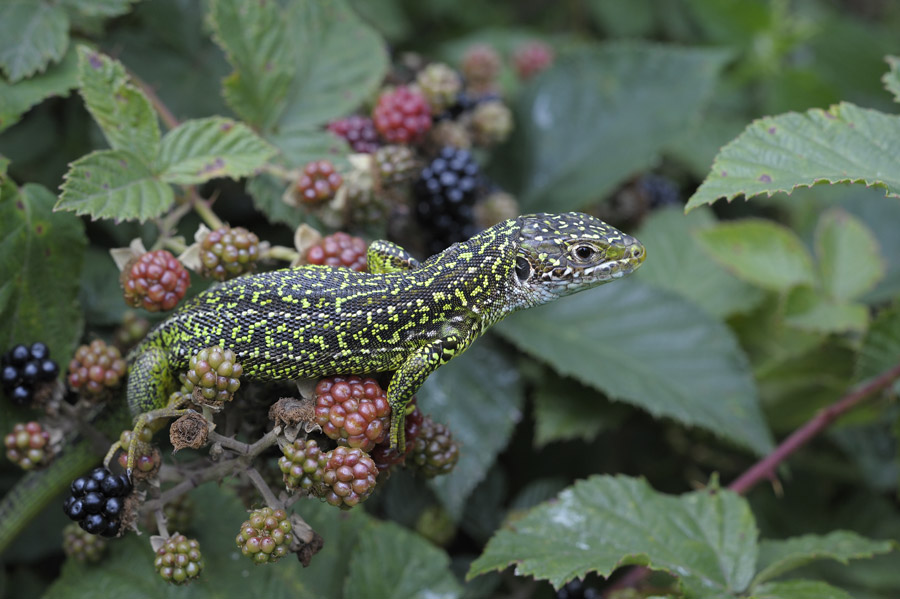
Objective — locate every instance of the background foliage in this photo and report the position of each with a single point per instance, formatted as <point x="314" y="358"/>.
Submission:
<point x="746" y="320"/>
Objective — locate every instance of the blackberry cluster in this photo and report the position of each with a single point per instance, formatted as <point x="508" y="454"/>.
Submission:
<point x="215" y="373"/>
<point x="95" y="368"/>
<point x="491" y="123"/>
<point x="402" y="115"/>
<point x="353" y="411"/>
<point x="147" y="460"/>
<point x="435" y="452"/>
<point x="131" y="331"/>
<point x="318" y="182"/>
<point x="481" y="67"/>
<point x="531" y="58"/>
<point x="394" y="165"/>
<point x="440" y="85"/>
<point x="82" y="546"/>
<point x="178" y="560"/>
<point x="228" y="252"/>
<point x="23" y="369"/>
<point x="155" y="281"/>
<point x="27" y="445"/>
<point x="359" y="131"/>
<point x="303" y="466"/>
<point x="97" y="502"/>
<point x="339" y="249"/>
<point x="658" y="191"/>
<point x="265" y="536"/>
<point x="445" y="194"/>
<point x="351" y="474"/>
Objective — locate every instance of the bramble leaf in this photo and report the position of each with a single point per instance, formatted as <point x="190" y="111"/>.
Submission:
<point x="881" y="346"/>
<point x="845" y="143"/>
<point x="761" y="252"/>
<point x="565" y="410"/>
<point x="891" y="79"/>
<point x="849" y="259"/>
<point x="17" y="98"/>
<point x="100" y="8"/>
<point x="123" y="112"/>
<point x="706" y="538"/>
<point x="807" y="309"/>
<point x="652" y="349"/>
<point x="799" y="589"/>
<point x="114" y="184"/>
<point x="32" y="35"/>
<point x="203" y="149"/>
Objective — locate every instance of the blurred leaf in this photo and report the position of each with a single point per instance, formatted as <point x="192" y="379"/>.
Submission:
<point x="100" y="8"/>
<point x="707" y="539"/>
<point x="807" y="309"/>
<point x="122" y="110"/>
<point x="843" y="144"/>
<point x="204" y="149"/>
<point x="680" y="264"/>
<point x="479" y="397"/>
<point x="114" y="184"/>
<point x="32" y="35"/>
<point x="17" y="98"/>
<point x="600" y="115"/>
<point x="407" y="566"/>
<point x="872" y="446"/>
<point x="881" y="346"/>
<point x="799" y="589"/>
<point x="778" y="557"/>
<point x="619" y="19"/>
<point x="565" y="410"/>
<point x="100" y="292"/>
<point x="302" y="145"/>
<point x="730" y="21"/>
<point x="697" y="146"/>
<point x="41" y="254"/>
<point x="880" y="214"/>
<point x="761" y="252"/>
<point x="891" y="79"/>
<point x="650" y="348"/>
<point x="849" y="259"/>
<point x="389" y="17"/>
<point x="267" y="191"/>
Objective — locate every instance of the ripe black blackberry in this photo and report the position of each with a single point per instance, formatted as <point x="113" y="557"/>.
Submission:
<point x="23" y="368"/>
<point x="445" y="194"/>
<point x="97" y="501"/>
<point x="658" y="191"/>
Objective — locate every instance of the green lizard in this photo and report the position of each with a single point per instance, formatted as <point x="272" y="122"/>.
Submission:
<point x="402" y="316"/>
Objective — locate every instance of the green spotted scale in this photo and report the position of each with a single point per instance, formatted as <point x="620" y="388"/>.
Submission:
<point x="402" y="316"/>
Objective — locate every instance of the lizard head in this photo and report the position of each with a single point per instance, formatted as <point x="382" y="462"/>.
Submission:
<point x="561" y="254"/>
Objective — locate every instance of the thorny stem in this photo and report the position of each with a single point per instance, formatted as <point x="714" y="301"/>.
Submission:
<point x="280" y="171"/>
<point x="263" y="488"/>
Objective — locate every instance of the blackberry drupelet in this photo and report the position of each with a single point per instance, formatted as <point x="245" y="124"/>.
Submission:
<point x="445" y="194"/>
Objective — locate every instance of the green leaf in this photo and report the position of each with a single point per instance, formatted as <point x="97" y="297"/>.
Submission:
<point x="123" y="112"/>
<point x="267" y="191"/>
<point x="599" y="116"/>
<point x="114" y="184"/>
<point x="806" y="308"/>
<point x="41" y="256"/>
<point x="100" y="8"/>
<point x="679" y="264"/>
<point x="652" y="349"/>
<point x="17" y="98"/>
<point x="881" y="346"/>
<point x="799" y="589"/>
<point x="32" y="35"/>
<point x="565" y="410"/>
<point x="843" y="144"/>
<point x="204" y="149"/>
<point x="778" y="557"/>
<point x="849" y="259"/>
<point x="707" y="539"/>
<point x="479" y="397"/>
<point x="891" y="79"/>
<point x="407" y="566"/>
<point x="761" y="252"/>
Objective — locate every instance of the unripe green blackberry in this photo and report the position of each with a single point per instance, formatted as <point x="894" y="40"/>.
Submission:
<point x="28" y="445"/>
<point x="339" y="249"/>
<point x="154" y="281"/>
<point x="265" y="536"/>
<point x="491" y="123"/>
<point x="131" y="331"/>
<point x="179" y="560"/>
<point x="215" y="374"/>
<point x="440" y="85"/>
<point x="435" y="452"/>
<point x="96" y="368"/>
<point x="481" y="67"/>
<point x="395" y="165"/>
<point x="81" y="545"/>
<point x="303" y="466"/>
<point x="147" y="459"/>
<point x="228" y="252"/>
<point x="351" y="474"/>
<point x="353" y="411"/>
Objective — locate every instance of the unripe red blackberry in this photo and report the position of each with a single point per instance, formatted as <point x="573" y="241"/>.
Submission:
<point x="265" y="536"/>
<point x="440" y="85"/>
<point x="303" y="466"/>
<point x="28" y="445"/>
<point x="228" y="252"/>
<point x="353" y="411"/>
<point x="155" y="281"/>
<point x="147" y="459"/>
<point x="491" y="123"/>
<point x="81" y="545"/>
<point x="318" y="182"/>
<point x="339" y="249"/>
<point x="359" y="131"/>
<point x="96" y="368"/>
<point x="385" y="457"/>
<point x="351" y="474"/>
<point x="481" y="66"/>
<point x="215" y="374"/>
<point x="402" y="115"/>
<point x="24" y="369"/>
<point x="435" y="452"/>
<point x="178" y="560"/>
<point x="531" y="58"/>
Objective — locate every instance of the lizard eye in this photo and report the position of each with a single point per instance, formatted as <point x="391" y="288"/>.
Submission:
<point x="523" y="269"/>
<point x="584" y="252"/>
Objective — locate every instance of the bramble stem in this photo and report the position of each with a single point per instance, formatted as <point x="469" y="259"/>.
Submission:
<point x="202" y="208"/>
<point x="263" y="488"/>
<point x="280" y="252"/>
